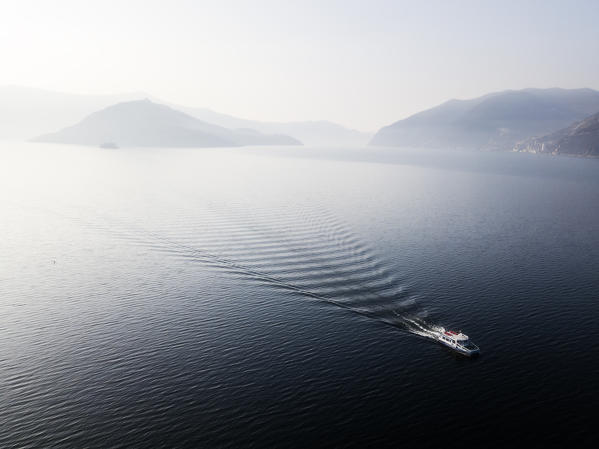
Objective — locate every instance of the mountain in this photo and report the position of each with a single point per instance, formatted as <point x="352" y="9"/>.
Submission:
<point x="314" y="133"/>
<point x="496" y="121"/>
<point x="27" y="112"/>
<point x="143" y="123"/>
<point x="578" y="139"/>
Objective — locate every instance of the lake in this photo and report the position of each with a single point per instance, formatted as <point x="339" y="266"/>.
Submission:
<point x="281" y="297"/>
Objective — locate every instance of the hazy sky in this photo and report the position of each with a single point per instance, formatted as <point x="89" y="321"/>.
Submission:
<point x="360" y="63"/>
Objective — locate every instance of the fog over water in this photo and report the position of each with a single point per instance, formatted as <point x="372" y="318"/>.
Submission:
<point x="235" y="224"/>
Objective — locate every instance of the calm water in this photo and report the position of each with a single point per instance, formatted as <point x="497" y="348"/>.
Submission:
<point x="272" y="297"/>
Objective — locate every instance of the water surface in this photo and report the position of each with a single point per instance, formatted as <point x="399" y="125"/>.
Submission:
<point x="277" y="297"/>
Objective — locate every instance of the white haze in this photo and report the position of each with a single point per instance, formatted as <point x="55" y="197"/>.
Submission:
<point x="363" y="64"/>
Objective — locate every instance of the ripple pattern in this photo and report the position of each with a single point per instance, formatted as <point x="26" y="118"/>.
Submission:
<point x="303" y="249"/>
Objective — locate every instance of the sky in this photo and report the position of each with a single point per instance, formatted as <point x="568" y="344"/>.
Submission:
<point x="364" y="64"/>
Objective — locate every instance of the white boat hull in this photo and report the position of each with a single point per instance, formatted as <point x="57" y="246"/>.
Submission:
<point x="470" y="351"/>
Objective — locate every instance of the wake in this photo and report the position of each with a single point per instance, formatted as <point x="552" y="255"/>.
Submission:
<point x="305" y="250"/>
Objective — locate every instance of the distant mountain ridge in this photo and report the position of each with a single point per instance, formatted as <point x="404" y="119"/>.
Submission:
<point x="27" y="112"/>
<point x="579" y="139"/>
<point x="496" y="121"/>
<point x="320" y="132"/>
<point x="143" y="123"/>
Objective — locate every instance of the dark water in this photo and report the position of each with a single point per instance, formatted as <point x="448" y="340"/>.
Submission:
<point x="281" y="297"/>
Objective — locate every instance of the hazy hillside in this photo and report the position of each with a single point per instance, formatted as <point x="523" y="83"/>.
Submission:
<point x="144" y="123"/>
<point x="492" y="122"/>
<point x="26" y="112"/>
<point x="315" y="133"/>
<point x="578" y="139"/>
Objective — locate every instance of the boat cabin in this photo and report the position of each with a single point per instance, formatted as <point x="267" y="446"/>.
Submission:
<point x="457" y="338"/>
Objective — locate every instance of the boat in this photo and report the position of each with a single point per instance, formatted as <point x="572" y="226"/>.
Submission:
<point x="457" y="341"/>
